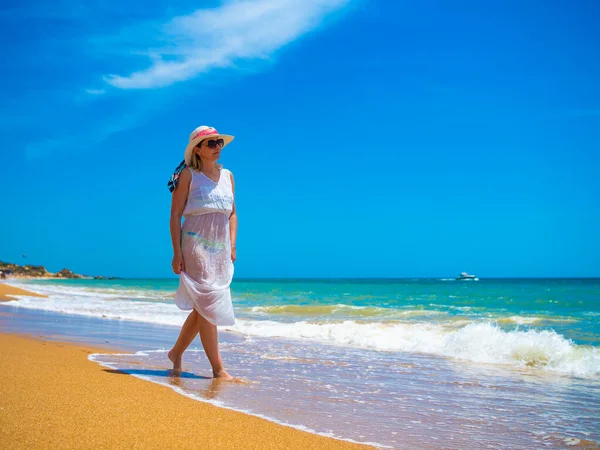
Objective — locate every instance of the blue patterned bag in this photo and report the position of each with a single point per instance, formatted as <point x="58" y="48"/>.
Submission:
<point x="172" y="184"/>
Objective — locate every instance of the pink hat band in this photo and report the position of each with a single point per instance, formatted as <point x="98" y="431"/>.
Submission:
<point x="208" y="132"/>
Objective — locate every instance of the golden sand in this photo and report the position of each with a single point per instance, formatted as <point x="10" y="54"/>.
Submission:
<point x="6" y="291"/>
<point x="52" y="396"/>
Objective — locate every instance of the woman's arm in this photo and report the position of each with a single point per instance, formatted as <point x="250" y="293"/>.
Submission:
<point x="233" y="223"/>
<point x="178" y="201"/>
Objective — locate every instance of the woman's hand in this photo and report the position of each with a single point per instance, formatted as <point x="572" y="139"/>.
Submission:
<point x="177" y="263"/>
<point x="233" y="256"/>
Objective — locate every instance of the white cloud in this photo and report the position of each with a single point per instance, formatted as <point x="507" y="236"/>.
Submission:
<point x="212" y="38"/>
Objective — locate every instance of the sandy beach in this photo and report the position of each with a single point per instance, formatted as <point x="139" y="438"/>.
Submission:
<point x="54" y="397"/>
<point x="7" y="291"/>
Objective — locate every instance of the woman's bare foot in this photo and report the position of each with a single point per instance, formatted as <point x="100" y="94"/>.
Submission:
<point x="176" y="360"/>
<point x="224" y="376"/>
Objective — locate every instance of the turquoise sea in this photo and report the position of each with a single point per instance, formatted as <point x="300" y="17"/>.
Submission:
<point x="404" y="363"/>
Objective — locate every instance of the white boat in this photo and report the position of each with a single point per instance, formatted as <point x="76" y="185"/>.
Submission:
<point x="467" y="277"/>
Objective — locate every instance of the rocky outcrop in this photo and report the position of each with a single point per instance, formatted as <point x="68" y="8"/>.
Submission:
<point x="29" y="271"/>
<point x="66" y="273"/>
<point x="24" y="271"/>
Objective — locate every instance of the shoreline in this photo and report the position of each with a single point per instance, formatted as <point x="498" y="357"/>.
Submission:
<point x="8" y="293"/>
<point x="81" y="403"/>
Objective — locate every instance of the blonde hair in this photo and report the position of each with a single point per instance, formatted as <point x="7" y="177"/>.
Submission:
<point x="196" y="161"/>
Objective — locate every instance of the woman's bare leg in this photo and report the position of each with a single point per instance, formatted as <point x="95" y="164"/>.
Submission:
<point x="210" y="342"/>
<point x="188" y="332"/>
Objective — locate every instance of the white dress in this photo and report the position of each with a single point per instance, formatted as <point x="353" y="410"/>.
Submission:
<point x="206" y="249"/>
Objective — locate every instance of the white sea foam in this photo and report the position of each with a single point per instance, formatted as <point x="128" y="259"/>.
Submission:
<point x="476" y="341"/>
<point x="520" y="320"/>
<point x="94" y="292"/>
<point x="479" y="342"/>
<point x="107" y="303"/>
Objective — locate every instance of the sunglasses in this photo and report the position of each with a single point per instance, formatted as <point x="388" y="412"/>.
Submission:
<point x="212" y="143"/>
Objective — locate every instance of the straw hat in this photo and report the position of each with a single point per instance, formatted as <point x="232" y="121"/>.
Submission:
<point x="198" y="135"/>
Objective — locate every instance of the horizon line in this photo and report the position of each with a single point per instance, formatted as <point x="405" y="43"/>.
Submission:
<point x="440" y="278"/>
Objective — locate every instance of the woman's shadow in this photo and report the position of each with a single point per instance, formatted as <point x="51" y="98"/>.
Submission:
<point x="157" y="373"/>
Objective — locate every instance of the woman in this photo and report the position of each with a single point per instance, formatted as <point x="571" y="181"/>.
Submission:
<point x="204" y="248"/>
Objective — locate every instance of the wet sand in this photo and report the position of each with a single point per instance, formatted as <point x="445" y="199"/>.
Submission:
<point x="54" y="397"/>
<point x="6" y="292"/>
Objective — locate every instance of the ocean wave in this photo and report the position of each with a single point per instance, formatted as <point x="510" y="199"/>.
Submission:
<point x="477" y="342"/>
<point x="339" y="310"/>
<point x="532" y="320"/>
<point x="317" y="309"/>
<point x="105" y="293"/>
<point x="137" y="311"/>
<point x="480" y="341"/>
<point x="519" y="320"/>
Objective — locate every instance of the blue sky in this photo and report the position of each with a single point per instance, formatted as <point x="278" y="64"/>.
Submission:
<point x="373" y="138"/>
